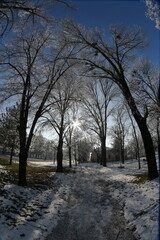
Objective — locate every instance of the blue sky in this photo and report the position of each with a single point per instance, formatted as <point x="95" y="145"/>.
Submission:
<point x="104" y="13"/>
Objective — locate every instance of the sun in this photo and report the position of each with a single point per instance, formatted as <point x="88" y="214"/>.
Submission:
<point x="76" y="124"/>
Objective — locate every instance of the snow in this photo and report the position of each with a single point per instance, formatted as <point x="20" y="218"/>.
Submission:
<point x="141" y="203"/>
<point x="32" y="213"/>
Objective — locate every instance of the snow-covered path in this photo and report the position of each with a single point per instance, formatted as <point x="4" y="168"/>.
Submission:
<point x="91" y="212"/>
<point x="90" y="202"/>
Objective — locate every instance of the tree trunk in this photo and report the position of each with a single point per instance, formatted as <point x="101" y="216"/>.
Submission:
<point x="149" y="150"/>
<point x="60" y="154"/>
<point x="101" y="159"/>
<point x="22" y="168"/>
<point x="158" y="139"/>
<point x="103" y="152"/>
<point x="24" y="141"/>
<point x="23" y="154"/>
<point x="138" y="157"/>
<point x="146" y="136"/>
<point x="11" y="155"/>
<point x="122" y="155"/>
<point x="70" y="156"/>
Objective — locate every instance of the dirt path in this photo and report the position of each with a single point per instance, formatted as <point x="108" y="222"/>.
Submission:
<point x="92" y="213"/>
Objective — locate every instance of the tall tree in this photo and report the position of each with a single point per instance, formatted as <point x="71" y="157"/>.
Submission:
<point x="97" y="96"/>
<point x="32" y="74"/>
<point x="61" y="99"/>
<point x="135" y="136"/>
<point x="68" y="134"/>
<point x="119" y="130"/>
<point x="145" y="86"/>
<point x="112" y="60"/>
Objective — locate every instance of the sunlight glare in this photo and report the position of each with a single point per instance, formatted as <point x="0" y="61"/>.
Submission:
<point x="76" y="124"/>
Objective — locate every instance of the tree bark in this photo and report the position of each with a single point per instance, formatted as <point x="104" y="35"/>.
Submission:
<point x="103" y="152"/>
<point x="22" y="168"/>
<point x="23" y="153"/>
<point x="149" y="150"/>
<point x="60" y="153"/>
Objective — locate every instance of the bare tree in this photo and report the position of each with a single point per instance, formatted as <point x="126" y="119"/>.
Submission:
<point x="13" y="10"/>
<point x="145" y="90"/>
<point x="137" y="149"/>
<point x="97" y="96"/>
<point x="32" y="74"/>
<point x="68" y="134"/>
<point x="112" y="60"/>
<point x="131" y="146"/>
<point x="68" y="138"/>
<point x="119" y="130"/>
<point x="62" y="99"/>
<point x="144" y="81"/>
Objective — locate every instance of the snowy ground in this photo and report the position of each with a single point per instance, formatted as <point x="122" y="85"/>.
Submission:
<point x="90" y="199"/>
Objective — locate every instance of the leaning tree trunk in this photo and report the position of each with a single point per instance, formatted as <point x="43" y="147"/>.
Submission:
<point x="149" y="150"/>
<point x="146" y="136"/>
